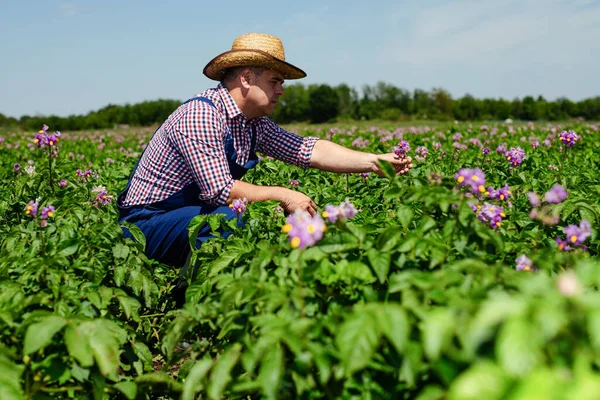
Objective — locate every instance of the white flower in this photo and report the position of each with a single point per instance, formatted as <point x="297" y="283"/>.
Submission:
<point x="30" y="170"/>
<point x="568" y="285"/>
<point x="98" y="189"/>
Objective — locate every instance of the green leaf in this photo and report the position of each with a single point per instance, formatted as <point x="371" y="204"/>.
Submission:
<point x="358" y="270"/>
<point x="194" y="227"/>
<point x="128" y="388"/>
<point x="40" y="334"/>
<point x="106" y="351"/>
<point x="144" y="354"/>
<point x="271" y="371"/>
<point x="136" y="233"/>
<point x="405" y="215"/>
<point x="193" y="381"/>
<point x="408" y="245"/>
<point x="411" y="365"/>
<point x="10" y="378"/>
<point x="129" y="305"/>
<point x="119" y="274"/>
<point x="437" y="331"/>
<point x="221" y="373"/>
<point x="481" y="381"/>
<point x="426" y="224"/>
<point x="120" y="251"/>
<point x="380" y="262"/>
<point x="77" y="344"/>
<point x="593" y="327"/>
<point x="388" y="169"/>
<point x="69" y="248"/>
<point x="393" y="322"/>
<point x="357" y="339"/>
<point x="515" y="350"/>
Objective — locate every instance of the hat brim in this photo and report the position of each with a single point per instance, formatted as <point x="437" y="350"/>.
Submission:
<point x="250" y="58"/>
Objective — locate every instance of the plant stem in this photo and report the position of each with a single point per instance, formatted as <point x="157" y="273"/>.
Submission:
<point x="50" y="170"/>
<point x="60" y="389"/>
<point x="562" y="164"/>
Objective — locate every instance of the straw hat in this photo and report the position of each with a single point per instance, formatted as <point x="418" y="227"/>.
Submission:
<point x="253" y="50"/>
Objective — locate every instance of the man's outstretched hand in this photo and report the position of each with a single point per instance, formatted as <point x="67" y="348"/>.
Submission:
<point x="401" y="164"/>
<point x="293" y="201"/>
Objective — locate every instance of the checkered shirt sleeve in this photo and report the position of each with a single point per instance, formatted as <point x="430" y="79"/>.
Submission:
<point x="288" y="147"/>
<point x="199" y="136"/>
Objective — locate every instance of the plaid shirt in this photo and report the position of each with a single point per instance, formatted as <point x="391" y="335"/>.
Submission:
<point x="189" y="147"/>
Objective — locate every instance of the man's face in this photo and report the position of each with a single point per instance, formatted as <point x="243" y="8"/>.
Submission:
<point x="265" y="91"/>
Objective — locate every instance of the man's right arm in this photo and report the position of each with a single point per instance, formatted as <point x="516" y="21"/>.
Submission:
<point x="290" y="199"/>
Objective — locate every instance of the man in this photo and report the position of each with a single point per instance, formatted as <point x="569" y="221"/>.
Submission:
<point x="195" y="161"/>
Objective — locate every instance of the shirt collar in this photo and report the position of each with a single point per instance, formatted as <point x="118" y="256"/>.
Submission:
<point x="231" y="108"/>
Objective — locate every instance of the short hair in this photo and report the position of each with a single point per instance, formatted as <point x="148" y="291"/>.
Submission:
<point x="231" y="73"/>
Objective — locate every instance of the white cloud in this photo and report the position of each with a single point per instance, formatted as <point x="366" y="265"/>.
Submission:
<point x="489" y="33"/>
<point x="68" y="9"/>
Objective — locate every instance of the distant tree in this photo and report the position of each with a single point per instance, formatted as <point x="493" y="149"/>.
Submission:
<point x="502" y="109"/>
<point x="293" y="106"/>
<point x="423" y="104"/>
<point x="528" y="109"/>
<point x="516" y="108"/>
<point x="348" y="98"/>
<point x="324" y="103"/>
<point x="443" y="101"/>
<point x="466" y="108"/>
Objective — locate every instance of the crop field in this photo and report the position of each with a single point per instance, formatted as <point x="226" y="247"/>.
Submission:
<point x="475" y="276"/>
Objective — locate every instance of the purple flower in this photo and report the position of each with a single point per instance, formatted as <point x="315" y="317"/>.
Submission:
<point x="360" y="142"/>
<point x="524" y="263"/>
<point x="365" y="174"/>
<point x="515" y="156"/>
<point x="294" y="182"/>
<point x="41" y="139"/>
<point x="402" y="149"/>
<point x="102" y="196"/>
<point x="239" y="205"/>
<point x="47" y="212"/>
<point x="32" y="208"/>
<point x="556" y="195"/>
<point x="490" y="214"/>
<point x="303" y="229"/>
<point x="569" y="138"/>
<point x="553" y="167"/>
<point x="344" y="211"/>
<point x="534" y="200"/>
<point x="437" y="145"/>
<point x="421" y="151"/>
<point x="52" y="139"/>
<point x="474" y="178"/>
<point x="576" y="235"/>
<point x="486" y="150"/>
<point x="562" y="244"/>
<point x="501" y="194"/>
<point x="16" y="167"/>
<point x="501" y="149"/>
<point x="63" y="183"/>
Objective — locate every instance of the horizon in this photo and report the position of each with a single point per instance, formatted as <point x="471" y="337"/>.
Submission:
<point x="72" y="58"/>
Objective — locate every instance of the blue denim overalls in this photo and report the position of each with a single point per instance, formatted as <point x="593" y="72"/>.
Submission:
<point x="164" y="223"/>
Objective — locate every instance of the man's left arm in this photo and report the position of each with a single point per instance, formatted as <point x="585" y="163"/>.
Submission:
<point x="332" y="157"/>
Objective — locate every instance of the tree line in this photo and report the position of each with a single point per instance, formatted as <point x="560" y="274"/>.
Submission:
<point x="322" y="103"/>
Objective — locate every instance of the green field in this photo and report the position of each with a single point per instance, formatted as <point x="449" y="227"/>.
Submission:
<point x="442" y="286"/>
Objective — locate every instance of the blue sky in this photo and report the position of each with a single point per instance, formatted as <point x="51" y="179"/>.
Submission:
<point x="72" y="57"/>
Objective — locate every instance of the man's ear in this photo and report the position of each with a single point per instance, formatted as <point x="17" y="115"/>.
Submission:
<point x="246" y="78"/>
